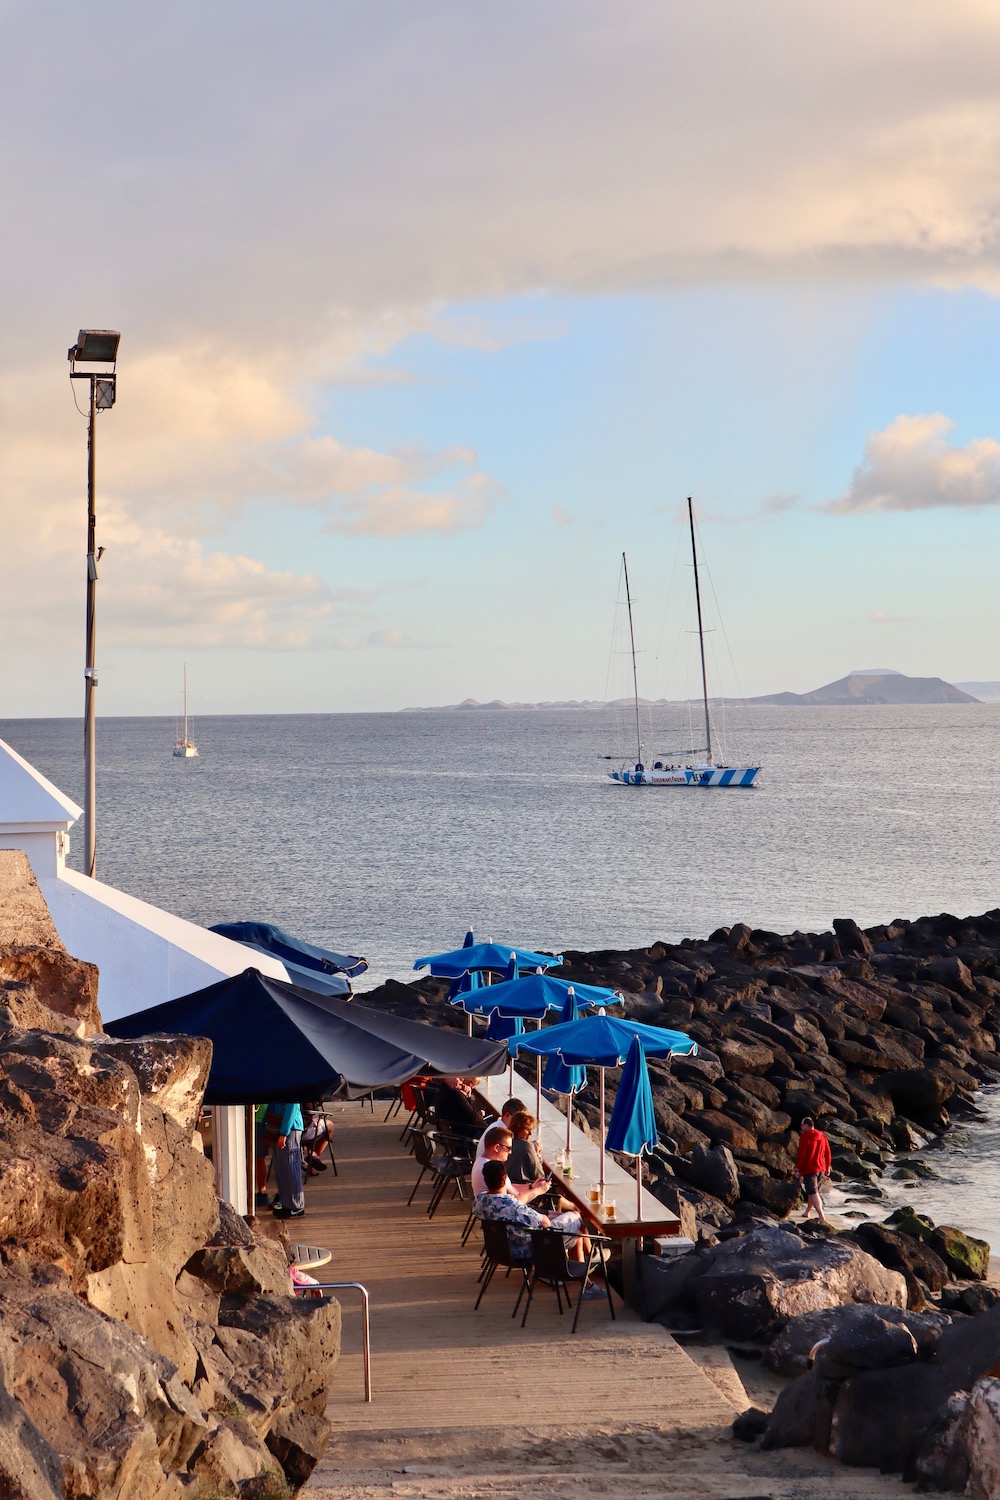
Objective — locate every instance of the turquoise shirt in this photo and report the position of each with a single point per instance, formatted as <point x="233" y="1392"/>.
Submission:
<point x="291" y="1117"/>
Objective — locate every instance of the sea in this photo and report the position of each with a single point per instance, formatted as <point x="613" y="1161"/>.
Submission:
<point x="389" y="835"/>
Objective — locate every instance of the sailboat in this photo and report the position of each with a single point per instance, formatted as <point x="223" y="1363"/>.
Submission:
<point x="689" y="769"/>
<point x="185" y="746"/>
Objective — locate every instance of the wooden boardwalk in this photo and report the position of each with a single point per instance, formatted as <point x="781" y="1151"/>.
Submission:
<point x="468" y="1404"/>
<point x="431" y="1351"/>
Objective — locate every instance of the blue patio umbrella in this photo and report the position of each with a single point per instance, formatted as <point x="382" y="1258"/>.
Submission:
<point x="601" y="1041"/>
<point x="560" y="1077"/>
<point x="488" y="957"/>
<point x="633" y="1120"/>
<point x="532" y="996"/>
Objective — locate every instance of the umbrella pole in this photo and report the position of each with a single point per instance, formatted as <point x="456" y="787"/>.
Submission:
<point x="538" y="1096"/>
<point x="638" y="1188"/>
<point x="602" y="1135"/>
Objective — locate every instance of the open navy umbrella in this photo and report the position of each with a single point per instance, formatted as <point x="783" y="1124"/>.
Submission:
<point x="633" y="1120"/>
<point x="601" y="1041"/>
<point x="271" y="1040"/>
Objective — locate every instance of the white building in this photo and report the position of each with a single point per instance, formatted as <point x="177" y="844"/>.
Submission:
<point x="144" y="955"/>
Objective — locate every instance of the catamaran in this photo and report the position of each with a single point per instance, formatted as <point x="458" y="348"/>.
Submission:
<point x="185" y="746"/>
<point x="687" y="769"/>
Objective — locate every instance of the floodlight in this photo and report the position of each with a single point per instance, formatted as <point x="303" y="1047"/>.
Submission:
<point x="95" y="346"/>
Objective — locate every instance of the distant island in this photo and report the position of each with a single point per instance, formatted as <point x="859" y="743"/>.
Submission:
<point x="878" y="686"/>
<point x="871" y="687"/>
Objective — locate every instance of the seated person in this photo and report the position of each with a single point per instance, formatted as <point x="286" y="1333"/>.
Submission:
<point x="507" y="1113"/>
<point x="454" y="1108"/>
<point x="496" y="1202"/>
<point x="314" y="1137"/>
<point x="524" y="1163"/>
<point x="498" y="1142"/>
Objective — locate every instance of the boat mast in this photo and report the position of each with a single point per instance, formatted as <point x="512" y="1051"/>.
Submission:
<point x="185" y="703"/>
<point x="635" y="679"/>
<point x="701" y="635"/>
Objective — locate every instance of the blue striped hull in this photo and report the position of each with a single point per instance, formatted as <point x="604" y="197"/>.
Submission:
<point x="686" y="776"/>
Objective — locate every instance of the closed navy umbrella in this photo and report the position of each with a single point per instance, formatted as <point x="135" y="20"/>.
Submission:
<point x="633" y="1120"/>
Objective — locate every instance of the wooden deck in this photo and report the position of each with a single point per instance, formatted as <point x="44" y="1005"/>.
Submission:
<point x="435" y="1360"/>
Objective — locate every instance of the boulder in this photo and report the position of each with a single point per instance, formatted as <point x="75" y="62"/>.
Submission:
<point x="744" y="1056"/>
<point x="788" y="1352"/>
<point x="965" y="1257"/>
<point x="171" y="1071"/>
<point x="980" y="1439"/>
<point x="869" y="1342"/>
<point x="30" y="1468"/>
<point x="755" y="1284"/>
<point x="303" y="1338"/>
<point x="721" y="1129"/>
<point x="765" y="1191"/>
<point x="713" y="1170"/>
<point x="802" y="1414"/>
<point x="901" y="1252"/>
<point x="881" y="1417"/>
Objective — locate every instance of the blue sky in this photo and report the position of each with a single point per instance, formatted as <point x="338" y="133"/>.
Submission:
<point x="429" y="313"/>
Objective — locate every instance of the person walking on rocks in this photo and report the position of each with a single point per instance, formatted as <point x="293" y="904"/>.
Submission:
<point x="812" y="1164"/>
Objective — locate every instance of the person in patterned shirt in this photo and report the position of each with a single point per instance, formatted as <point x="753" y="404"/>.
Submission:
<point x="498" y="1202"/>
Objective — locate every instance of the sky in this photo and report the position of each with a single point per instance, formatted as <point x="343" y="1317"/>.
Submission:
<point x="430" y="311"/>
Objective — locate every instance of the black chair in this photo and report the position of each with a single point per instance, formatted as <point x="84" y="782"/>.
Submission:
<point x="496" y="1248"/>
<point x="422" y="1143"/>
<point x="453" y="1163"/>
<point x="552" y="1266"/>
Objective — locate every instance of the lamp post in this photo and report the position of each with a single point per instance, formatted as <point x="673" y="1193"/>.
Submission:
<point x="94" y="346"/>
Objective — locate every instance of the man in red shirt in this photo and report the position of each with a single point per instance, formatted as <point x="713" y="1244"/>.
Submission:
<point x="812" y="1164"/>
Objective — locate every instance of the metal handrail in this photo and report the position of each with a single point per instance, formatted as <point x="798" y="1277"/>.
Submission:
<point x="344" y="1286"/>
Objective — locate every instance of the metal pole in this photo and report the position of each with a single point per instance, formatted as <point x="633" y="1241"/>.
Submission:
<point x="701" y="636"/>
<point x="90" y="669"/>
<point x="635" y="679"/>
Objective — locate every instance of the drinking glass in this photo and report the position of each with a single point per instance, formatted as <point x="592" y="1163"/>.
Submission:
<point x="594" y="1194"/>
<point x="609" y="1208"/>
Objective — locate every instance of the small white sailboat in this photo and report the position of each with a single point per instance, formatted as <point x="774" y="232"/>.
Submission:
<point x="185" y="747"/>
<point x="689" y="770"/>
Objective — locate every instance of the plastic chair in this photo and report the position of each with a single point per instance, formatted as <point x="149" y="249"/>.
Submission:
<point x="496" y="1248"/>
<point x="552" y="1266"/>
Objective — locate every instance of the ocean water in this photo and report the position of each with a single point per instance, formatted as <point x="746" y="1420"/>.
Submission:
<point x="389" y="834"/>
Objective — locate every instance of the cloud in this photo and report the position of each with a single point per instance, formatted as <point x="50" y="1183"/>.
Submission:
<point x="909" y="465"/>
<point x="397" y="510"/>
<point x="880" y="617"/>
<point x="562" y="517"/>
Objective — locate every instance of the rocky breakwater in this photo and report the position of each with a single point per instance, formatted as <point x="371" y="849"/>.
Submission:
<point x="883" y="1036"/>
<point x="149" y="1346"/>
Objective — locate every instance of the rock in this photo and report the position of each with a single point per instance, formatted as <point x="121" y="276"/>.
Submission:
<point x="971" y="1300"/>
<point x="901" y="1252"/>
<point x="298" y="1439"/>
<point x="172" y="1071"/>
<point x="303" y="1338"/>
<point x="941" y="1463"/>
<point x="788" y="1352"/>
<point x="917" y="1089"/>
<point x="227" y="1457"/>
<point x="755" y="1284"/>
<point x="750" y="1424"/>
<point x="721" y="1130"/>
<point x="980" y="1426"/>
<point x="712" y="1169"/>
<point x="881" y="1417"/>
<point x="673" y="1196"/>
<point x="744" y="1056"/>
<point x="29" y="1466"/>
<point x="779" y="1198"/>
<point x="953" y="973"/>
<point x="802" y="1414"/>
<point x="869" y="1342"/>
<point x="665" y="1284"/>
<point x="964" y="1256"/>
<point x="851" y="938"/>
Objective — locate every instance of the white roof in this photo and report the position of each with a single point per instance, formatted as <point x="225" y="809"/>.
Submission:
<point x="27" y="799"/>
